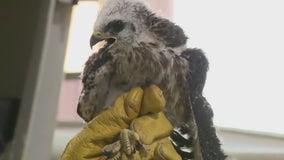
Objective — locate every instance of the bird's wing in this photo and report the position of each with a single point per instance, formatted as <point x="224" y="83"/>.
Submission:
<point x="209" y="142"/>
<point x="95" y="79"/>
<point x="94" y="62"/>
<point x="166" y="31"/>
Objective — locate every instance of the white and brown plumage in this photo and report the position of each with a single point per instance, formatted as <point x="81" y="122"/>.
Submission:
<point x="141" y="49"/>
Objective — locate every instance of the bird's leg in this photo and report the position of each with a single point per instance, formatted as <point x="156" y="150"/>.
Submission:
<point x="196" y="143"/>
<point x="127" y="144"/>
<point x="129" y="139"/>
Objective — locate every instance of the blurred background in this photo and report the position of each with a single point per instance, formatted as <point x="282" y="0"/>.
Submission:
<point x="45" y="45"/>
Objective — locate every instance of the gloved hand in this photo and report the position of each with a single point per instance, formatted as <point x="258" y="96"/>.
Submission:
<point x="151" y="125"/>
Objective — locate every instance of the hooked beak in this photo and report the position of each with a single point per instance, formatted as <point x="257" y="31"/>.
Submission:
<point x="98" y="37"/>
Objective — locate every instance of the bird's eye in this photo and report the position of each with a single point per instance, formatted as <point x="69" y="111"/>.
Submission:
<point x="114" y="26"/>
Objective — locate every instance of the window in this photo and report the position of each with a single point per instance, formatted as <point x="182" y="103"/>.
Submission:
<point x="78" y="50"/>
<point x="243" y="41"/>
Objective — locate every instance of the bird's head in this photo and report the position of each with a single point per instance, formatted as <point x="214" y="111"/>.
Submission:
<point x="119" y="24"/>
<point x="124" y="23"/>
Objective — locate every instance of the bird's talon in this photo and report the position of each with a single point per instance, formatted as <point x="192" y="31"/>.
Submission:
<point x="111" y="149"/>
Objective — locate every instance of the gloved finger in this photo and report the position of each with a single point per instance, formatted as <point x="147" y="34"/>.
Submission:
<point x="81" y="148"/>
<point x="151" y="127"/>
<point x="132" y="102"/>
<point x="165" y="151"/>
<point x="153" y="100"/>
<point x="109" y="123"/>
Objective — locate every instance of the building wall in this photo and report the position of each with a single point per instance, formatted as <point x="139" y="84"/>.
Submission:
<point x="32" y="57"/>
<point x="18" y="25"/>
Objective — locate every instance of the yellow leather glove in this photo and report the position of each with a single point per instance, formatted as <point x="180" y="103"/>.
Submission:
<point x="152" y="127"/>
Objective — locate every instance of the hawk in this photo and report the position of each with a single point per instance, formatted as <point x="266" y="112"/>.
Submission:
<point x="141" y="48"/>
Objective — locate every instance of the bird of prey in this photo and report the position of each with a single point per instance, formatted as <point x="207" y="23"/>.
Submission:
<point x="142" y="48"/>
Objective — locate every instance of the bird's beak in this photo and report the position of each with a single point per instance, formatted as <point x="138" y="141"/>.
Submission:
<point x="97" y="37"/>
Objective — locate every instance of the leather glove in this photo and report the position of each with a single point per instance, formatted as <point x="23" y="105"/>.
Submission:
<point x="151" y="125"/>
